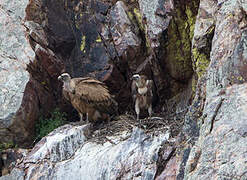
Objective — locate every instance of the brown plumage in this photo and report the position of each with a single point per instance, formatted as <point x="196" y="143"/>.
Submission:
<point x="88" y="96"/>
<point x="142" y="93"/>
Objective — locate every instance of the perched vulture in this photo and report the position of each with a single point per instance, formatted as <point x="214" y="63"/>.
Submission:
<point x="142" y="93"/>
<point x="89" y="96"/>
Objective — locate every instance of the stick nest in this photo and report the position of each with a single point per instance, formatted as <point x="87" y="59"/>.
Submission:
<point x="154" y="125"/>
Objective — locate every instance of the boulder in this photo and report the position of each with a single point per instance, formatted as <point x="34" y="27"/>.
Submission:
<point x="29" y="71"/>
<point x="18" y="100"/>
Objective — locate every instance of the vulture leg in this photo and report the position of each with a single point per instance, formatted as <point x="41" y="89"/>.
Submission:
<point x="87" y="118"/>
<point x="150" y="111"/>
<point x="137" y="109"/>
<point x="81" y="116"/>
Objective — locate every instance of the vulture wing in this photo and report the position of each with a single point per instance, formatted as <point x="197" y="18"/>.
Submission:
<point x="134" y="91"/>
<point x="96" y="94"/>
<point x="150" y="86"/>
<point x="66" y="95"/>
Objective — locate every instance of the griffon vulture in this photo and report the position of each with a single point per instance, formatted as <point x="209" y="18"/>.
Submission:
<point x="142" y="93"/>
<point x="88" y="96"/>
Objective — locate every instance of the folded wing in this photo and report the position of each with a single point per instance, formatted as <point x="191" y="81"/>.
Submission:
<point x="95" y="94"/>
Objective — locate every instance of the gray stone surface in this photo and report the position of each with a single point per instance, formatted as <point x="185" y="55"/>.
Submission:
<point x="66" y="154"/>
<point x="15" y="54"/>
<point x="215" y="128"/>
<point x="125" y="39"/>
<point x="59" y="145"/>
<point x="220" y="152"/>
<point x="16" y="174"/>
<point x="27" y="68"/>
<point x="157" y="19"/>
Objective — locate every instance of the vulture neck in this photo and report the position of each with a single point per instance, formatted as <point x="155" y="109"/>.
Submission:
<point x="141" y="87"/>
<point x="69" y="86"/>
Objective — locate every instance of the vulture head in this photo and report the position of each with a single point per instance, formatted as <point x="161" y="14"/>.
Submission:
<point x="67" y="84"/>
<point x="139" y="80"/>
<point x="65" y="77"/>
<point x="136" y="77"/>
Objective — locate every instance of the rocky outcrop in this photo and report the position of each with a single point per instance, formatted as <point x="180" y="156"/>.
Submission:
<point x="203" y="35"/>
<point x="218" y="152"/>
<point x="18" y="111"/>
<point x="27" y="71"/>
<point x="108" y="40"/>
<point x="66" y="153"/>
<point x="111" y="41"/>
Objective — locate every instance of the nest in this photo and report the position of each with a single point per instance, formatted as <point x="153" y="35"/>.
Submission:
<point x="154" y="126"/>
<point x="170" y="118"/>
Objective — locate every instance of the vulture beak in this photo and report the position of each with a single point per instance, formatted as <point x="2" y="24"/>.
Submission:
<point x="59" y="78"/>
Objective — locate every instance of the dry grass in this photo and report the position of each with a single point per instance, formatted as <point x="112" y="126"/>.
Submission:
<point x="155" y="125"/>
<point x="171" y="118"/>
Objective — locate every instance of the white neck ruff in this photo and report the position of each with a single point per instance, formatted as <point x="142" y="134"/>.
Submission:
<point x="142" y="90"/>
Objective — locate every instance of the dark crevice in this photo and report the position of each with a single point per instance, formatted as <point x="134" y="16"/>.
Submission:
<point x="161" y="162"/>
<point x="215" y="114"/>
<point x="1" y="163"/>
<point x="186" y="153"/>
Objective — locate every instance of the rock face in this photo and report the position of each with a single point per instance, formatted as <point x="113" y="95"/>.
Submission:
<point x="65" y="153"/>
<point x="15" y="54"/>
<point x="112" y="40"/>
<point x="25" y="85"/>
<point x="154" y="13"/>
<point x="18" y="111"/>
<point x="203" y="35"/>
<point x="219" y="152"/>
<point x="109" y="40"/>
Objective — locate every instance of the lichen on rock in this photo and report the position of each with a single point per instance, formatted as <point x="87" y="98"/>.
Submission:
<point x="83" y="44"/>
<point x="179" y="37"/>
<point x="201" y="62"/>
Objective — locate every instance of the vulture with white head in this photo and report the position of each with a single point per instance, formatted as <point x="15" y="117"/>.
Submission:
<point x="142" y="93"/>
<point x="89" y="96"/>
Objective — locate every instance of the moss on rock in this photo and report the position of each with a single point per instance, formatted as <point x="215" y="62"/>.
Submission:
<point x="178" y="45"/>
<point x="191" y="19"/>
<point x="180" y="33"/>
<point x="201" y="62"/>
<point x="138" y="17"/>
